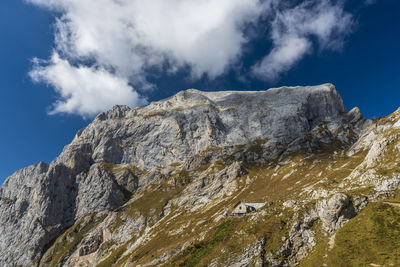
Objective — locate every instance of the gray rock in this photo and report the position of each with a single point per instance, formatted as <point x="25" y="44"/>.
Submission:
<point x="335" y="212"/>
<point x="91" y="244"/>
<point x="44" y="200"/>
<point x="210" y="185"/>
<point x="388" y="185"/>
<point x="177" y="128"/>
<point x="300" y="242"/>
<point x="22" y="211"/>
<point x="360" y="202"/>
<point x="252" y="255"/>
<point x="128" y="180"/>
<point x="39" y="202"/>
<point x="98" y="191"/>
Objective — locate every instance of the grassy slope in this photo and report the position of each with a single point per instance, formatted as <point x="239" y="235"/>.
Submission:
<point x="264" y="187"/>
<point x="370" y="238"/>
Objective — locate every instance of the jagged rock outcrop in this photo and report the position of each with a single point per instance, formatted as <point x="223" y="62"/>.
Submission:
<point x="300" y="241"/>
<point x="252" y="255"/>
<point x="335" y="212"/>
<point x="91" y="244"/>
<point x="166" y="144"/>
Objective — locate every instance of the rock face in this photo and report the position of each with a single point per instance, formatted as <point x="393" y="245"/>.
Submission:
<point x="177" y="128"/>
<point x="210" y="185"/>
<point x="43" y="200"/>
<point x="125" y="153"/>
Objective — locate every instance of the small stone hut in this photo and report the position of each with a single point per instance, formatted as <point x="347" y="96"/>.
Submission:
<point x="242" y="208"/>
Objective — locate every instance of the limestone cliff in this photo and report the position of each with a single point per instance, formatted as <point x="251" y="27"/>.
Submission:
<point x="153" y="185"/>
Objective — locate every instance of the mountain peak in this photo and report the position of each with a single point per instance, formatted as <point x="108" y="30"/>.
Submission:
<point x="193" y="120"/>
<point x="193" y="146"/>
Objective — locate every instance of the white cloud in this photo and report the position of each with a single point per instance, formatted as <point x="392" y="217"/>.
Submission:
<point x="293" y="30"/>
<point x="84" y="90"/>
<point x="282" y="57"/>
<point x="127" y="41"/>
<point x="130" y="35"/>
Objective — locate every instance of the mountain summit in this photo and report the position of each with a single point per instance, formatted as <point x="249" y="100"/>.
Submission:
<point x="172" y="130"/>
<point x="155" y="185"/>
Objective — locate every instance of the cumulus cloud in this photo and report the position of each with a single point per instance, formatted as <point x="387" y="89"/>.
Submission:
<point x="84" y="90"/>
<point x="130" y="35"/>
<point x="293" y="30"/>
<point x="124" y="42"/>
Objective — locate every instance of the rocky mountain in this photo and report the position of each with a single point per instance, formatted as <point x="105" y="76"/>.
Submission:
<point x="152" y="186"/>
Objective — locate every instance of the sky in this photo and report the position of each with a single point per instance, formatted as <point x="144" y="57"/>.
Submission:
<point x="65" y="61"/>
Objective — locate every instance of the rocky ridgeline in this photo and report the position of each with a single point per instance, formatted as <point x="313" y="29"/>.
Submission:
<point x="192" y="153"/>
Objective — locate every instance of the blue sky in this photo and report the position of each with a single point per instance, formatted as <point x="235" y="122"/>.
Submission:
<point x="360" y="56"/>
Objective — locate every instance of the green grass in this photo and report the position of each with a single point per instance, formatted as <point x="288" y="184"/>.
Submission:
<point x="155" y="113"/>
<point x="182" y="178"/>
<point x="113" y="257"/>
<point x="152" y="202"/>
<point x="388" y="171"/>
<point x="195" y="253"/>
<point x="116" y="168"/>
<point x="256" y="146"/>
<point x="276" y="228"/>
<point x="370" y="238"/>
